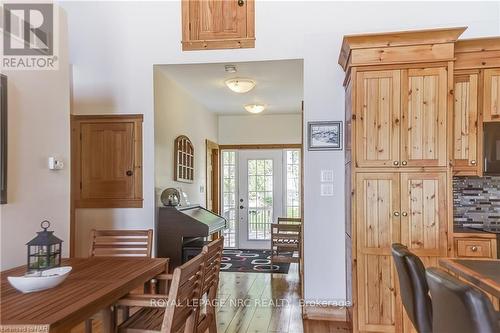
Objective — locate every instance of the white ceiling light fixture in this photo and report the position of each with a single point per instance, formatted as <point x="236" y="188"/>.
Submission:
<point x="240" y="86"/>
<point x="255" y="108"/>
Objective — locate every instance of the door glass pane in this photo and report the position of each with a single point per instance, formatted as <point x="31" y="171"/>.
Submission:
<point x="293" y="185"/>
<point x="260" y="198"/>
<point x="229" y="196"/>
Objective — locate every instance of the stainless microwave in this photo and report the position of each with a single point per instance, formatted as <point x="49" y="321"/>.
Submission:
<point x="492" y="148"/>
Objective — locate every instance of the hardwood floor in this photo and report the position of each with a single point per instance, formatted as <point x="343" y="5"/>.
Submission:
<point x="260" y="302"/>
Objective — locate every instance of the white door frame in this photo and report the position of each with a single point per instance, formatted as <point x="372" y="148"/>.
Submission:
<point x="242" y="200"/>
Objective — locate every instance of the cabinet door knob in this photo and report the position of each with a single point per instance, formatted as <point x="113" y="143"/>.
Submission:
<point x="404" y="163"/>
<point x="396" y="214"/>
<point x="241" y="3"/>
<point x="404" y="213"/>
<point x="396" y="163"/>
<point x="473" y="162"/>
<point x="474" y="248"/>
<point x="129" y="173"/>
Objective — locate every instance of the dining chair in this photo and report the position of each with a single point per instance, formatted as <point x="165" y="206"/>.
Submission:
<point x="413" y="288"/>
<point x="285" y="237"/>
<point x="459" y="307"/>
<point x="176" y="312"/>
<point x="213" y="253"/>
<point x="119" y="243"/>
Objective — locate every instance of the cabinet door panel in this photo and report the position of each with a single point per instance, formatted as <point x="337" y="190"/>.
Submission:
<point x="107" y="154"/>
<point x="377" y="118"/>
<point x="216" y="19"/>
<point x="377" y="198"/>
<point x="423" y="131"/>
<point x="466" y="123"/>
<point x="492" y="95"/>
<point x="424" y="213"/>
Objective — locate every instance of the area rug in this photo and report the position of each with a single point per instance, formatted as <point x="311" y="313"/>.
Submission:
<point x="251" y="261"/>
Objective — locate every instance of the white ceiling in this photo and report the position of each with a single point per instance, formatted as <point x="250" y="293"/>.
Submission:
<point x="279" y="85"/>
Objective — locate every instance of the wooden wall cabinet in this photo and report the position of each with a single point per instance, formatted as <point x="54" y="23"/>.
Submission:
<point x="399" y="104"/>
<point x="476" y="100"/>
<point x="107" y="161"/>
<point x="492" y="94"/>
<point x="218" y="24"/>
<point x="467" y="124"/>
<point x="402" y="118"/>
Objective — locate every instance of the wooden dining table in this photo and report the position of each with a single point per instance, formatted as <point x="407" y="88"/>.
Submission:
<point x="482" y="273"/>
<point x="93" y="285"/>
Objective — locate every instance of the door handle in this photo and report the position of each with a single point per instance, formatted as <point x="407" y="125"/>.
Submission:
<point x="396" y="162"/>
<point x="404" y="213"/>
<point x="241" y="3"/>
<point x="396" y="214"/>
<point x="129" y="173"/>
<point x="404" y="163"/>
<point x="241" y="207"/>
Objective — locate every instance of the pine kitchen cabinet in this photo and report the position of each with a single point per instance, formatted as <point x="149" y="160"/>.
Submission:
<point x="218" y="24"/>
<point x="399" y="91"/>
<point x="476" y="96"/>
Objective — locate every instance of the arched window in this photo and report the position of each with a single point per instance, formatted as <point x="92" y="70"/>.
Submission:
<point x="184" y="160"/>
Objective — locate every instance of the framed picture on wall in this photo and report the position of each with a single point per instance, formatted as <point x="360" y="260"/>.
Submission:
<point x="325" y="135"/>
<point x="3" y="139"/>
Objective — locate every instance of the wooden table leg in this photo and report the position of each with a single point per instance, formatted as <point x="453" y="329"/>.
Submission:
<point x="108" y="320"/>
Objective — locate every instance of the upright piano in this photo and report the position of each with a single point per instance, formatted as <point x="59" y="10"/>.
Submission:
<point x="181" y="231"/>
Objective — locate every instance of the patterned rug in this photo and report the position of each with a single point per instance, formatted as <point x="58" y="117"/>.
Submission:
<point x="251" y="261"/>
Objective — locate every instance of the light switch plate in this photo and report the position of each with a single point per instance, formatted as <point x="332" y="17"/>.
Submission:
<point x="326" y="176"/>
<point x="327" y="190"/>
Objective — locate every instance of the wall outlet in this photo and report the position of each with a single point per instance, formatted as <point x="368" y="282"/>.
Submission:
<point x="327" y="190"/>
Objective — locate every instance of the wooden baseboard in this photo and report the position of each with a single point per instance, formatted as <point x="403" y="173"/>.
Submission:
<point x="326" y="313"/>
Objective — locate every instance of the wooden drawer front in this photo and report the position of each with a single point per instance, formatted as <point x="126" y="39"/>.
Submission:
<point x="474" y="248"/>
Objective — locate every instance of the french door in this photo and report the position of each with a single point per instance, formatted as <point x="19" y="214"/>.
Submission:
<point x="260" y="196"/>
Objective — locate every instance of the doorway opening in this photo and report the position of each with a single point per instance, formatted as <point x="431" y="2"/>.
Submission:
<point x="258" y="187"/>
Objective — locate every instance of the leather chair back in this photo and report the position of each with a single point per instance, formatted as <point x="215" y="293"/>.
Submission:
<point x="459" y="307"/>
<point x="413" y="288"/>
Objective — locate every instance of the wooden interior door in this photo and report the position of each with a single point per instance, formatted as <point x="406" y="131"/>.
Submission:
<point x="212" y="176"/>
<point x="466" y="124"/>
<point x="107" y="161"/>
<point x="378" y="226"/>
<point x="424" y="213"/>
<point x="216" y="19"/>
<point x="492" y="95"/>
<point x="377" y="118"/>
<point x="423" y="130"/>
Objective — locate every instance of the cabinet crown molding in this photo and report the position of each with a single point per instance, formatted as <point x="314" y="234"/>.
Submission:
<point x="395" y="39"/>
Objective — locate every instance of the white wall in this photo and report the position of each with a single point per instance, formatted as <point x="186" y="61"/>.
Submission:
<point x="260" y="129"/>
<point x="177" y="113"/>
<point x="38" y="127"/>
<point x="113" y="61"/>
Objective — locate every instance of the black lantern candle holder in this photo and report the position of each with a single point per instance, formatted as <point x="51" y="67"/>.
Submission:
<point x="44" y="251"/>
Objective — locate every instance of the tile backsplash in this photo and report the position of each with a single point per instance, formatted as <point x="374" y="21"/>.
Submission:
<point x="476" y="200"/>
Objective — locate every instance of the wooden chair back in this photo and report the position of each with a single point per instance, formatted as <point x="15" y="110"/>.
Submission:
<point x="213" y="253"/>
<point x="285" y="238"/>
<point x="121" y="243"/>
<point x="289" y="220"/>
<point x="184" y="298"/>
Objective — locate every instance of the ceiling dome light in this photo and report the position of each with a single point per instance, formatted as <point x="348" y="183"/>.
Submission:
<point x="255" y="108"/>
<point x="240" y="86"/>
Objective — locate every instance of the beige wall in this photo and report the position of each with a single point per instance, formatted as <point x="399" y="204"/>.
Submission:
<point x="260" y="129"/>
<point x="177" y="113"/>
<point x="38" y="127"/>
